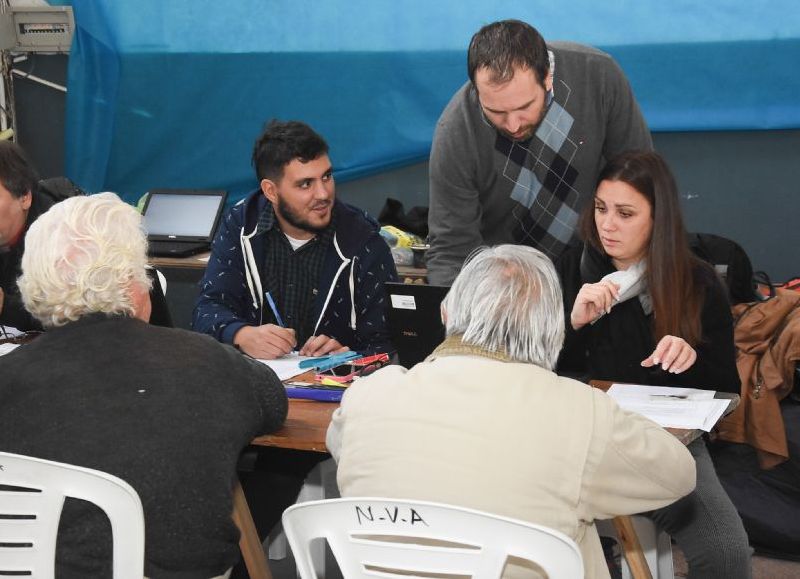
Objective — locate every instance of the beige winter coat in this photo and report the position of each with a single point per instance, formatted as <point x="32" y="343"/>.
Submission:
<point x="508" y="438"/>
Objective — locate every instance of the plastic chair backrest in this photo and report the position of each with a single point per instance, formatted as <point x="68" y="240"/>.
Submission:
<point x="370" y="536"/>
<point x="29" y="520"/>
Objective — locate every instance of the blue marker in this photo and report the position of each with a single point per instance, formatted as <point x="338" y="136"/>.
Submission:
<point x="274" y="309"/>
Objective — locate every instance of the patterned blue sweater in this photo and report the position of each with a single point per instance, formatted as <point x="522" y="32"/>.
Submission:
<point x="350" y="305"/>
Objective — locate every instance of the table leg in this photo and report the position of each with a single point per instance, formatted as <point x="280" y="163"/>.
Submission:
<point x="631" y="548"/>
<point x="252" y="550"/>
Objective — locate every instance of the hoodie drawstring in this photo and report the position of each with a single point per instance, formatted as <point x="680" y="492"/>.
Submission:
<point x="344" y="264"/>
<point x="251" y="273"/>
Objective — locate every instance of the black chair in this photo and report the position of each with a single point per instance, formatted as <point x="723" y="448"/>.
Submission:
<point x="160" y="315"/>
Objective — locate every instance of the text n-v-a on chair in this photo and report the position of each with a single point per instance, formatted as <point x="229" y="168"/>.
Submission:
<point x="380" y="537"/>
<point x="32" y="494"/>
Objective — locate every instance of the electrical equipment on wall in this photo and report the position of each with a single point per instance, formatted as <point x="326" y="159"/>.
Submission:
<point x="36" y="28"/>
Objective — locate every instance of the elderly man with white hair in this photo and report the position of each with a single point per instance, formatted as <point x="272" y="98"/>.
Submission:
<point x="166" y="410"/>
<point x="485" y="423"/>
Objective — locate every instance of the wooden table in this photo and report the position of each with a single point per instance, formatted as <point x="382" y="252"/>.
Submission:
<point x="305" y="429"/>
<point x="199" y="261"/>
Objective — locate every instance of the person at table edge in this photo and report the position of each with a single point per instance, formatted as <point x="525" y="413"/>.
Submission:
<point x="166" y="410"/>
<point x="292" y="266"/>
<point x="20" y="205"/>
<point x="485" y="423"/>
<point x="641" y="308"/>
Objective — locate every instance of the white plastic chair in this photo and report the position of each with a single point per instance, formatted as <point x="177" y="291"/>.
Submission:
<point x="29" y="520"/>
<point x="656" y="546"/>
<point x="315" y="488"/>
<point x="372" y="537"/>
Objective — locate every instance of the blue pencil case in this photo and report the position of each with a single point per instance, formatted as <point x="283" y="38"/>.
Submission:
<point x="313" y="393"/>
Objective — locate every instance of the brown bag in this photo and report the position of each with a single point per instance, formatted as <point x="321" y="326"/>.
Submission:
<point x="767" y="337"/>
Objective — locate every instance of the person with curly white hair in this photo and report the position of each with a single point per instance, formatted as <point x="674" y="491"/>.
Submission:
<point x="89" y="256"/>
<point x="166" y="410"/>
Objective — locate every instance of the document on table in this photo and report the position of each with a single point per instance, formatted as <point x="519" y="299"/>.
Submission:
<point x="9" y="332"/>
<point x="670" y="407"/>
<point x="7" y="348"/>
<point x="287" y="366"/>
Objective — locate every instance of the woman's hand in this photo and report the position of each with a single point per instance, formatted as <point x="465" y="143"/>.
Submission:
<point x="593" y="300"/>
<point x="674" y="355"/>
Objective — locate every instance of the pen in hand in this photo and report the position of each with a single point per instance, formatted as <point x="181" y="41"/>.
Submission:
<point x="274" y="309"/>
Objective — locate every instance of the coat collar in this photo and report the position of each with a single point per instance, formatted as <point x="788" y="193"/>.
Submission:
<point x="455" y="346"/>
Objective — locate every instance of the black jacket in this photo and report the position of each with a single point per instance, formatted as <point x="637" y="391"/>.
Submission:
<point x="14" y="313"/>
<point x="613" y="347"/>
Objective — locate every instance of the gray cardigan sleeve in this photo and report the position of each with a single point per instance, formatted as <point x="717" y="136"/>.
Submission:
<point x="454" y="218"/>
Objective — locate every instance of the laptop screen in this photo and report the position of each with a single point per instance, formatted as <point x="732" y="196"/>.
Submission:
<point x="182" y="215"/>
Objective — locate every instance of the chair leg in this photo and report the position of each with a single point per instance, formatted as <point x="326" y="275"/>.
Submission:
<point x="653" y="544"/>
<point x="313" y="489"/>
<point x="278" y="546"/>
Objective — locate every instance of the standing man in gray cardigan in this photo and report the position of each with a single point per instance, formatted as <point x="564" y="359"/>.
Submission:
<point x="517" y="150"/>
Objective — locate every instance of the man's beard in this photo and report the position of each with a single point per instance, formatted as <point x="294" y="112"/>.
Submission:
<point x="528" y="133"/>
<point x="296" y="221"/>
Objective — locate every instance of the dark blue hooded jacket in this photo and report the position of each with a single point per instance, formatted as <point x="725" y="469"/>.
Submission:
<point x="351" y="304"/>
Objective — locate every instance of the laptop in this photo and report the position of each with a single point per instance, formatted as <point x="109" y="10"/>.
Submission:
<point x="181" y="222"/>
<point x="415" y="320"/>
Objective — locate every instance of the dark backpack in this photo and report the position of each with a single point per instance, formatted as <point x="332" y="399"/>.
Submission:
<point x="59" y="188"/>
<point x="731" y="263"/>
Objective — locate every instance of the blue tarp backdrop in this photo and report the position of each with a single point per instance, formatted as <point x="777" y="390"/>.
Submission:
<point x="173" y="93"/>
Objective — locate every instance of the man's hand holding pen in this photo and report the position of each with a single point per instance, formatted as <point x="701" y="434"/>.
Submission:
<point x="266" y="342"/>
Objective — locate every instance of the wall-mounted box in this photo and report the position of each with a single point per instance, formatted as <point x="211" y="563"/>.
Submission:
<point x="37" y="28"/>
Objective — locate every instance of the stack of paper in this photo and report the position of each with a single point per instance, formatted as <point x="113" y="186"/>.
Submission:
<point x="287" y="366"/>
<point x="9" y="332"/>
<point x="669" y="407"/>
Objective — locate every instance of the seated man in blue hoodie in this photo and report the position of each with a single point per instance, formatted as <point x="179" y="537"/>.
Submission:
<point x="292" y="267"/>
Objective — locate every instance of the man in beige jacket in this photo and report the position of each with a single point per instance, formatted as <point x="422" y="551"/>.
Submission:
<point x="484" y="422"/>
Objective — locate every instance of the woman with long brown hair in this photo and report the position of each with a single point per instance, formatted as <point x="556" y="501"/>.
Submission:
<point x="643" y="309"/>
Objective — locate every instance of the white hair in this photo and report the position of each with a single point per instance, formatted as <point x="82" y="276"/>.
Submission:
<point x="507" y="299"/>
<point x="83" y="256"/>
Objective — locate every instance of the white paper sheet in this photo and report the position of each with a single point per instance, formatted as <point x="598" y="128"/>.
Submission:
<point x="287" y="366"/>
<point x="9" y="332"/>
<point x="670" y="407"/>
<point x="6" y="348"/>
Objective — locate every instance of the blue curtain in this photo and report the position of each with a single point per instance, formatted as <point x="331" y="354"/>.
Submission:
<point x="173" y="94"/>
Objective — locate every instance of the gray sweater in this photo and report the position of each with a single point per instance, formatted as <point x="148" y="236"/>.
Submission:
<point x="486" y="189"/>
